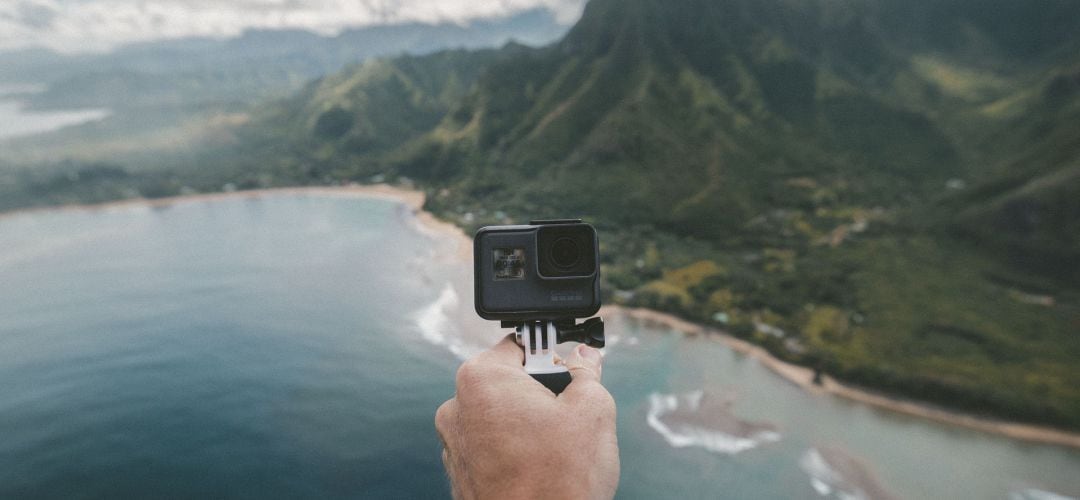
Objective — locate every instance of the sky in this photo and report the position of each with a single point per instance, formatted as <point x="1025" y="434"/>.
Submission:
<point x="72" y="26"/>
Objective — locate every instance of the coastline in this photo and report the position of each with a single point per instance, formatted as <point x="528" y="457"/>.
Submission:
<point x="801" y="376"/>
<point x="412" y="198"/>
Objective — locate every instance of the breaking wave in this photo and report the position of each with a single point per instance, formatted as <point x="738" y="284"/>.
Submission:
<point x="684" y="421"/>
<point x="437" y="326"/>
<point x="823" y="478"/>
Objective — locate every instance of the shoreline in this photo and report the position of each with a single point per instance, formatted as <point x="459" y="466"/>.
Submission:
<point x="803" y="377"/>
<point x="799" y="375"/>
<point x="412" y="198"/>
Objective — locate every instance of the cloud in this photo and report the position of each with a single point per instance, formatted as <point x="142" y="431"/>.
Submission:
<point x="34" y="16"/>
<point x="97" y="25"/>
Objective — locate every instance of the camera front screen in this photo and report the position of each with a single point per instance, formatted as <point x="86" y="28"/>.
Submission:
<point x="508" y="263"/>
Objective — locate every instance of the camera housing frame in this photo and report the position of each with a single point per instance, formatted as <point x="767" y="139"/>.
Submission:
<point x="547" y="270"/>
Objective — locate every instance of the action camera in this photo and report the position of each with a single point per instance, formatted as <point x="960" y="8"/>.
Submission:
<point x="546" y="271"/>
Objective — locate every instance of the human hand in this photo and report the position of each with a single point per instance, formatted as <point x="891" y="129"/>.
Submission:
<point x="506" y="436"/>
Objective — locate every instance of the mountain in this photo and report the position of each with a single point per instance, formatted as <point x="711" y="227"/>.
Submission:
<point x="351" y="124"/>
<point x="169" y="97"/>
<point x="885" y="190"/>
<point x="735" y="99"/>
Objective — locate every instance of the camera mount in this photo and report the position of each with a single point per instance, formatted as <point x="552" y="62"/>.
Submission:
<point x="539" y="338"/>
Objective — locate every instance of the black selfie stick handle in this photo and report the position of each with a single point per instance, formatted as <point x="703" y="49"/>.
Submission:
<point x="555" y="382"/>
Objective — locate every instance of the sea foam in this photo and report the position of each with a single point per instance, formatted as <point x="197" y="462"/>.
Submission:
<point x="683" y="422"/>
<point x="823" y="478"/>
<point x="437" y="326"/>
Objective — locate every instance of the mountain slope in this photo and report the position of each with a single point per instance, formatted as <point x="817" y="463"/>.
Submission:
<point x="883" y="189"/>
<point x="1028" y="208"/>
<point x="728" y="106"/>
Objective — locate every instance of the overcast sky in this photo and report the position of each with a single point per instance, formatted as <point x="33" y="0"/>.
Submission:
<point x="96" y="25"/>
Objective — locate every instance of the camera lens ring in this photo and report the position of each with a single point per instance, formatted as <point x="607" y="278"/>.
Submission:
<point x="565" y="253"/>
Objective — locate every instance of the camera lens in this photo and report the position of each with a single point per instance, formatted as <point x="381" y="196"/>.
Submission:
<point x="565" y="252"/>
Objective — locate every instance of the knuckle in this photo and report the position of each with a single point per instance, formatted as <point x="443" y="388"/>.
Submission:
<point x="607" y="402"/>
<point x="470" y="373"/>
<point x="592" y="390"/>
<point x="598" y="397"/>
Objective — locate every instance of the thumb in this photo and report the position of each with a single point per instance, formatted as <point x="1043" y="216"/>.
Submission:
<point x="585" y="363"/>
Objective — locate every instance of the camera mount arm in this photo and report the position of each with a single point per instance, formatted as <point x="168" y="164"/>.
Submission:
<point x="539" y="338"/>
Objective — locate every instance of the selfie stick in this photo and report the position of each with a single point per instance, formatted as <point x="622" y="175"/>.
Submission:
<point x="539" y="338"/>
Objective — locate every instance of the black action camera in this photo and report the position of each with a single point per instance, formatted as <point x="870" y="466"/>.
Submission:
<point x="546" y="271"/>
<point x="538" y="279"/>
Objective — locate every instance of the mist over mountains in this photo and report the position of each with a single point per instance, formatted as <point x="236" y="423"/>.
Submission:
<point x="80" y="26"/>
<point x="296" y="55"/>
<point x="174" y="96"/>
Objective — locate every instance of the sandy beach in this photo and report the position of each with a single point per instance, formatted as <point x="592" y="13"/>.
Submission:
<point x="801" y="376"/>
<point x="412" y="198"/>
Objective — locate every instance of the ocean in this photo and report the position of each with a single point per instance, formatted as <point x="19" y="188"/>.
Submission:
<point x="297" y="345"/>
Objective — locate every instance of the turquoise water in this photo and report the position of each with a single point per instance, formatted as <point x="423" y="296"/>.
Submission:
<point x="297" y="346"/>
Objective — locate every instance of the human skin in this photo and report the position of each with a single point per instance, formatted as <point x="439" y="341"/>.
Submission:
<point x="506" y="436"/>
